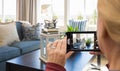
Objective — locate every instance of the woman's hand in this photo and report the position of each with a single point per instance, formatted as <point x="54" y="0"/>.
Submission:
<point x="56" y="52"/>
<point x="96" y="53"/>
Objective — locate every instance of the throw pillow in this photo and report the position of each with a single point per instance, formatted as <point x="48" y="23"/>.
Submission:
<point x="25" y="24"/>
<point x="8" y="34"/>
<point x="31" y="32"/>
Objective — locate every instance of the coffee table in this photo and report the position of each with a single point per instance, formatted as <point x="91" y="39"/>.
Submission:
<point x="31" y="62"/>
<point x="27" y="62"/>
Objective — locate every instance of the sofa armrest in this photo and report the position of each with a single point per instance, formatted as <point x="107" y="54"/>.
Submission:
<point x="19" y="30"/>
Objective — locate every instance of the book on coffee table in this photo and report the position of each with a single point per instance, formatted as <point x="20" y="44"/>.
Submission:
<point x="50" y="31"/>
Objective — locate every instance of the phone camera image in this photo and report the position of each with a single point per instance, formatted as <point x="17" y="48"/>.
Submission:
<point x="82" y="41"/>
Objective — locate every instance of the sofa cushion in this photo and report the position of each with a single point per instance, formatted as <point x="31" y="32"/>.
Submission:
<point x="27" y="46"/>
<point x="7" y="52"/>
<point x="8" y="34"/>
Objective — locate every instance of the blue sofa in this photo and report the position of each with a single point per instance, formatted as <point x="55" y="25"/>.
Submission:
<point x="17" y="49"/>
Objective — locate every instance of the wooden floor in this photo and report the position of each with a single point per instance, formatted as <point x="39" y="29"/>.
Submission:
<point x="93" y="64"/>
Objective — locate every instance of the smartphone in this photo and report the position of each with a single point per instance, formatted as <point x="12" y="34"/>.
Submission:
<point x="82" y="41"/>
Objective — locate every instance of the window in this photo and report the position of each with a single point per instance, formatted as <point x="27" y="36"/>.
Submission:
<point x="0" y="10"/>
<point x="77" y="9"/>
<point x="58" y="11"/>
<point x="7" y="10"/>
<point x="50" y="9"/>
<point x="91" y="11"/>
<point x="73" y="9"/>
<point x="84" y="9"/>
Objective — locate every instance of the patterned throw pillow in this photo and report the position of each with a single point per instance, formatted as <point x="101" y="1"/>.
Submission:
<point x="31" y="32"/>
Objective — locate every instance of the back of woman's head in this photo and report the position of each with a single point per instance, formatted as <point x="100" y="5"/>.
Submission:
<point x="109" y="10"/>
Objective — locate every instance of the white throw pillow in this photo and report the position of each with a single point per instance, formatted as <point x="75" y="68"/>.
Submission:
<point x="8" y="34"/>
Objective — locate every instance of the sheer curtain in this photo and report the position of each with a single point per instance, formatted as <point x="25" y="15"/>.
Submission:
<point x="26" y="10"/>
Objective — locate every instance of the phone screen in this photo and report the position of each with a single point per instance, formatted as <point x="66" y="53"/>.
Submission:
<point x="81" y="41"/>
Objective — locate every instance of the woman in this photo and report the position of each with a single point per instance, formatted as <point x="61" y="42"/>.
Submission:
<point x="108" y="35"/>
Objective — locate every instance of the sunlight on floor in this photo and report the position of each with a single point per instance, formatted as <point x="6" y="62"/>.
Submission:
<point x="92" y="65"/>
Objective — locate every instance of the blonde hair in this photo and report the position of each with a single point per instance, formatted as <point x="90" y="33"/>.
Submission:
<point x="109" y="10"/>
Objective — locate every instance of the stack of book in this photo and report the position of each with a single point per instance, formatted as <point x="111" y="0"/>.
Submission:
<point x="50" y="31"/>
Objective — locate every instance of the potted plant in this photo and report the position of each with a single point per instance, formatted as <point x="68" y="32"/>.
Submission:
<point x="80" y="17"/>
<point x="54" y="20"/>
<point x="72" y="29"/>
<point x="88" y="42"/>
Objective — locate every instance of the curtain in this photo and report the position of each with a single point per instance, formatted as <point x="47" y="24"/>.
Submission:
<point x="26" y="10"/>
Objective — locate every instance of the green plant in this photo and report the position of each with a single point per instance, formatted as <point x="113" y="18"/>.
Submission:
<point x="54" y="17"/>
<point x="72" y="29"/>
<point x="88" y="42"/>
<point x="80" y="17"/>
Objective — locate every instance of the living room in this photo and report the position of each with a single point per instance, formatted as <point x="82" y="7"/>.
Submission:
<point x="21" y="31"/>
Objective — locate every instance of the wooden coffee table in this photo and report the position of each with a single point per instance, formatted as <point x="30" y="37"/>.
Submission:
<point x="27" y="62"/>
<point x="31" y="62"/>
